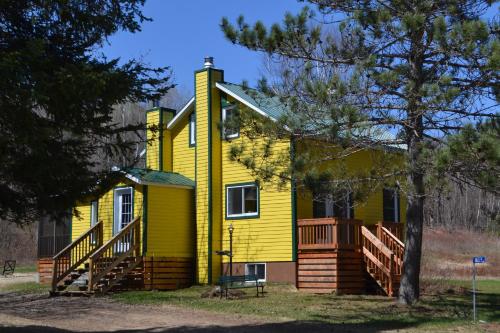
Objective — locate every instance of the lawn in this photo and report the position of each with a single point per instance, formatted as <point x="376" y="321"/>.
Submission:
<point x="448" y="306"/>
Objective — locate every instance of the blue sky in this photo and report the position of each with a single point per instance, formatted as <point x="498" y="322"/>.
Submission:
<point x="184" y="32"/>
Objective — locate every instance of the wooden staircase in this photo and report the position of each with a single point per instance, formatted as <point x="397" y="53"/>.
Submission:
<point x="68" y="265"/>
<point x="383" y="256"/>
<point x="87" y="265"/>
<point x="115" y="260"/>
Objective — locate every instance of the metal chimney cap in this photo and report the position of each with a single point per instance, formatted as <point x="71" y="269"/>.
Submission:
<point x="209" y="62"/>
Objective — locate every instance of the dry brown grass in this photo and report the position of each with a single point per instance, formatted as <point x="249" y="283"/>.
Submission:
<point x="448" y="254"/>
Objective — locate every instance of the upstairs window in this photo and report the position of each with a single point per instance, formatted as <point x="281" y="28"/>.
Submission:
<point x="391" y="204"/>
<point x="242" y="201"/>
<point x="230" y="122"/>
<point x="192" y="130"/>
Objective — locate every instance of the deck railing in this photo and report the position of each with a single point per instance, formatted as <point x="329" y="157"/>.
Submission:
<point x="396" y="228"/>
<point x="125" y="243"/>
<point x="329" y="233"/>
<point x="396" y="246"/>
<point x="76" y="253"/>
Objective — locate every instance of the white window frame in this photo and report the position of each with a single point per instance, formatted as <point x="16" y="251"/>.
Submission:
<point x="257" y="263"/>
<point x="192" y="129"/>
<point x="228" y="187"/>
<point x="395" y="196"/>
<point x="224" y="117"/>
<point x="94" y="211"/>
<point x="117" y="213"/>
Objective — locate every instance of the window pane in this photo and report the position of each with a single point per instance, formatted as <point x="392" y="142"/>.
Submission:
<point x="250" y="269"/>
<point x="231" y="126"/>
<point x="251" y="199"/>
<point x="261" y="271"/>
<point x="192" y="129"/>
<point x="234" y="202"/>
<point x="388" y="202"/>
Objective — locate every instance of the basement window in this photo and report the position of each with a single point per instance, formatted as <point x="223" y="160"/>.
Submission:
<point x="192" y="130"/>
<point x="391" y="203"/>
<point x="242" y="201"/>
<point x="256" y="269"/>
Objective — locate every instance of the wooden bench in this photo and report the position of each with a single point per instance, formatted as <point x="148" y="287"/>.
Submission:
<point x="9" y="267"/>
<point x="239" y="282"/>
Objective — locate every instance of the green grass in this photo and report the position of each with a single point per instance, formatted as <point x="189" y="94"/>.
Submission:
<point x="26" y="269"/>
<point x="447" y="308"/>
<point x="24" y="288"/>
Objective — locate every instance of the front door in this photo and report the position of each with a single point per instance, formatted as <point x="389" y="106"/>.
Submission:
<point x="123" y="214"/>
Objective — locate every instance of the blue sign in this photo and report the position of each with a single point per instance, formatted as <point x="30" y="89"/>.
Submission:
<point x="478" y="260"/>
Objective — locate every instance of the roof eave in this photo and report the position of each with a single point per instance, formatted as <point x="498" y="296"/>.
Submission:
<point x="184" y="111"/>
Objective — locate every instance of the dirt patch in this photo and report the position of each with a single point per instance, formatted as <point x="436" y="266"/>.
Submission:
<point x="17" y="278"/>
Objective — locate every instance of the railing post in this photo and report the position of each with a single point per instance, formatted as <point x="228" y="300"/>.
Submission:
<point x="91" y="273"/>
<point x="391" y="264"/>
<point x="137" y="229"/>
<point x="54" y="274"/>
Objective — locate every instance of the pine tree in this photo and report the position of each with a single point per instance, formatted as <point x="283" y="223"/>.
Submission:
<point x="418" y="69"/>
<point x="57" y="98"/>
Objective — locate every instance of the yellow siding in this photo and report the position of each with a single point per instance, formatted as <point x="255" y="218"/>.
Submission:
<point x="370" y="211"/>
<point x="170" y="222"/>
<point x="80" y="224"/>
<point x="153" y="146"/>
<point x="105" y="210"/>
<point x="183" y="155"/>
<point x="201" y="82"/>
<point x="268" y="237"/>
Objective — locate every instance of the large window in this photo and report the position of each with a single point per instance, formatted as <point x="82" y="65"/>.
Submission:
<point x="230" y="120"/>
<point x="242" y="201"/>
<point x="391" y="205"/>
<point x="192" y="130"/>
<point x="341" y="206"/>
<point x="258" y="270"/>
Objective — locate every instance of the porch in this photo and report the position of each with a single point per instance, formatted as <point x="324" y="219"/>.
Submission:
<point x="344" y="256"/>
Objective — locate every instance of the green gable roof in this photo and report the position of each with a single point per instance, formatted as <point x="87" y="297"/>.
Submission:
<point x="271" y="106"/>
<point x="152" y="177"/>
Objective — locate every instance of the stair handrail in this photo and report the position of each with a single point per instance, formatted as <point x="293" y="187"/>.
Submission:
<point x="65" y="262"/>
<point x="396" y="246"/>
<point x="97" y="268"/>
<point x="379" y="264"/>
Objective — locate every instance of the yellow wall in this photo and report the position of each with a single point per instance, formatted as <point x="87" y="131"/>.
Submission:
<point x="202" y="187"/>
<point x="80" y="224"/>
<point x="370" y="211"/>
<point x="183" y="155"/>
<point x="153" y="145"/>
<point x="170" y="222"/>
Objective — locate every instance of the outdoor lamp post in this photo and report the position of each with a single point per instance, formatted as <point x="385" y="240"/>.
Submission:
<point x="231" y="229"/>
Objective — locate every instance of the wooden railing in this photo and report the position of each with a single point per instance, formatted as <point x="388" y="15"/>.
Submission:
<point x="124" y="244"/>
<point x="379" y="260"/>
<point x="396" y="246"/>
<point x="328" y="233"/>
<point x="76" y="253"/>
<point x="396" y="228"/>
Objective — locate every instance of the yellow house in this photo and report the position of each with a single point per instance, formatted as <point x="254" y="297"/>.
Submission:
<point x="191" y="194"/>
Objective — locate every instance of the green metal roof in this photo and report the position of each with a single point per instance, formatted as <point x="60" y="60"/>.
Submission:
<point x="271" y="106"/>
<point x="148" y="176"/>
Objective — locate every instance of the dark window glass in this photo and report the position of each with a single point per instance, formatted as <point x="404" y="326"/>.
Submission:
<point x="251" y="199"/>
<point x="234" y="198"/>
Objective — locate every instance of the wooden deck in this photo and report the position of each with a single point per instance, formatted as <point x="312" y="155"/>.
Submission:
<point x="336" y="255"/>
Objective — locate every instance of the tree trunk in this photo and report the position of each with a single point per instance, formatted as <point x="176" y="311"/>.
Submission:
<point x="409" y="290"/>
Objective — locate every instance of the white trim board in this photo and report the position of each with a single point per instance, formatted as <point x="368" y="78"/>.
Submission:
<point x="181" y="113"/>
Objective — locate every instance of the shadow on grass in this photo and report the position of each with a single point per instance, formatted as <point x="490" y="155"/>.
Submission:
<point x="289" y="327"/>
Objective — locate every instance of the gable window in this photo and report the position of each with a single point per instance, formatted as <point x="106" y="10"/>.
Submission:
<point x="192" y="130"/>
<point x="242" y="201"/>
<point x="329" y="206"/>
<point x="258" y="270"/>
<point x="123" y="208"/>
<point x="391" y="205"/>
<point x="230" y="126"/>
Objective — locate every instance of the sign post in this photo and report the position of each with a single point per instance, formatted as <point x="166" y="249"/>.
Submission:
<point x="475" y="260"/>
